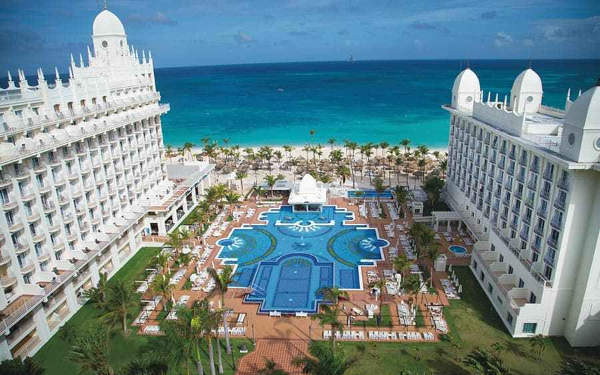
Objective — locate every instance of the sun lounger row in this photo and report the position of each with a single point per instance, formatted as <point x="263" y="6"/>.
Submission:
<point x="177" y="277"/>
<point x="376" y="335"/>
<point x="152" y="330"/>
<point x="233" y="331"/>
<point x="393" y="212"/>
<point x="449" y="289"/>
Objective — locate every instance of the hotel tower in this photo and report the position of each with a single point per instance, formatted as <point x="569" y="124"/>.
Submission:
<point x="83" y="180"/>
<point x="525" y="178"/>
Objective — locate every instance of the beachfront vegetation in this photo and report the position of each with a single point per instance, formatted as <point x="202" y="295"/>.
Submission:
<point x="85" y="345"/>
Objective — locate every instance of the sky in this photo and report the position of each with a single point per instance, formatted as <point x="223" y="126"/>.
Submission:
<point x="36" y="33"/>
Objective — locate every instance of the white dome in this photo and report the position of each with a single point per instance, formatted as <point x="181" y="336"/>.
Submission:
<point x="527" y="82"/>
<point x="585" y="111"/>
<point x="466" y="81"/>
<point x="106" y="23"/>
<point x="308" y="185"/>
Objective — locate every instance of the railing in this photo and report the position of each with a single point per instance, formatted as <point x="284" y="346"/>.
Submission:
<point x="536" y="275"/>
<point x="563" y="183"/>
<point x="60" y="116"/>
<point x="115" y="123"/>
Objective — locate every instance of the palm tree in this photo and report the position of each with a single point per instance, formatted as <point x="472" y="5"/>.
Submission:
<point x="180" y="340"/>
<point x="169" y="152"/>
<point x="443" y="167"/>
<point x="538" y="345"/>
<point x="379" y="189"/>
<point x="333" y="294"/>
<point x="485" y="363"/>
<point x="222" y="282"/>
<point x="20" y="366"/>
<point x="119" y="300"/>
<point x="271" y="181"/>
<point x="400" y="193"/>
<point x="405" y="142"/>
<point x="162" y="285"/>
<point x="288" y="149"/>
<point x="331" y="142"/>
<point x="90" y="352"/>
<point x="97" y="294"/>
<point x="231" y="198"/>
<point x="344" y="173"/>
<point x="162" y="260"/>
<point x="381" y="285"/>
<point x="312" y="135"/>
<point x="204" y="321"/>
<point x="576" y="366"/>
<point x="401" y="264"/>
<point x="323" y="361"/>
<point x="187" y="147"/>
<point x="278" y="156"/>
<point x="328" y="315"/>
<point x="383" y="145"/>
<point x="431" y="253"/>
<point x="176" y="241"/>
<point x="497" y="348"/>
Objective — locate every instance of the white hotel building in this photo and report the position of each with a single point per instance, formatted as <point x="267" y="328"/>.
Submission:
<point x="83" y="179"/>
<point x="526" y="180"/>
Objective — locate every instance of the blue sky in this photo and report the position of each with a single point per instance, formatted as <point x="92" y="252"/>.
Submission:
<point x="206" y="32"/>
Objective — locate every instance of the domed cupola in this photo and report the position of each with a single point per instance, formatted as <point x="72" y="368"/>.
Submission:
<point x="526" y="93"/>
<point x="581" y="132"/>
<point x="109" y="35"/>
<point x="465" y="91"/>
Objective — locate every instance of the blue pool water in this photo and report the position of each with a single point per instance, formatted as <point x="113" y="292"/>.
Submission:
<point x="457" y="249"/>
<point x="370" y="194"/>
<point x="286" y="260"/>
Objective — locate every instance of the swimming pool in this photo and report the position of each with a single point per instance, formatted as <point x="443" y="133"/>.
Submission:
<point x="457" y="249"/>
<point x="291" y="255"/>
<point x="387" y="194"/>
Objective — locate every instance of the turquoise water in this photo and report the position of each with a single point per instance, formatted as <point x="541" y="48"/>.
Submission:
<point x="457" y="249"/>
<point x="289" y="258"/>
<point x="366" y="101"/>
<point x="387" y="194"/>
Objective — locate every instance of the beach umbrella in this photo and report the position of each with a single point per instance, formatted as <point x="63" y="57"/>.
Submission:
<point x="453" y="274"/>
<point x="450" y="268"/>
<point x="460" y="288"/>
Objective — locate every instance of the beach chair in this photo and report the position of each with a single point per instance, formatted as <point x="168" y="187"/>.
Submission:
<point x="240" y="318"/>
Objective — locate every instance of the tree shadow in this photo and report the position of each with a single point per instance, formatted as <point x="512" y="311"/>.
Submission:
<point x="445" y="366"/>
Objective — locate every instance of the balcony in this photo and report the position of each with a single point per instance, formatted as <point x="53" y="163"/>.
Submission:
<point x="59" y="179"/>
<point x="33" y="215"/>
<point x="539" y="230"/>
<point x="15" y="225"/>
<point x="9" y="202"/>
<point x="527" y="219"/>
<point x="524" y="235"/>
<point x="560" y="204"/>
<point x="4" y="257"/>
<point x="521" y="177"/>
<point x="27" y="194"/>
<point x="27" y="267"/>
<point x="563" y="183"/>
<point x="553" y="243"/>
<point x="23" y="174"/>
<point x="556" y="223"/>
<point x="532" y="184"/>
<point x="545" y="194"/>
<point x="548" y="175"/>
<point x="48" y="206"/>
<point x="542" y="212"/>
<point x="8" y="280"/>
<point x="529" y="202"/>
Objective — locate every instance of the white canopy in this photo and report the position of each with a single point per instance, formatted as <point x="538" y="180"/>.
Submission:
<point x="308" y="192"/>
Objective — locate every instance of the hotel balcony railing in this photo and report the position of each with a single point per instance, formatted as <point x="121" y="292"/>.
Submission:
<point x="556" y="223"/>
<point x="523" y="161"/>
<point x="512" y="155"/>
<point x="9" y="202"/>
<point x="532" y="184"/>
<point x="73" y="115"/>
<point x="524" y="235"/>
<point x="15" y="225"/>
<point x="542" y="212"/>
<point x="563" y="183"/>
<point x="548" y="175"/>
<point x="538" y="230"/>
<point x="508" y="185"/>
<point x="560" y="204"/>
<point x="514" y="225"/>
<point x="115" y="122"/>
<point x="536" y="275"/>
<point x="516" y="209"/>
<point x="519" y="194"/>
<point x="529" y="202"/>
<point x="545" y="194"/>
<point x="521" y="177"/>
<point x="553" y="243"/>
<point x="536" y="248"/>
<point x="535" y="167"/>
<point x="527" y="219"/>
<point x="549" y="260"/>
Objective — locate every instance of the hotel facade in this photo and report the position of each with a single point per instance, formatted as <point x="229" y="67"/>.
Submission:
<point x="525" y="178"/>
<point x="83" y="180"/>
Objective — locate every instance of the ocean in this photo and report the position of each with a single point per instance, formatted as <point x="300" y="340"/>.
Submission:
<point x="364" y="101"/>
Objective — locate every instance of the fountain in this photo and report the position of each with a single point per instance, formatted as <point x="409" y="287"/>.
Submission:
<point x="301" y="245"/>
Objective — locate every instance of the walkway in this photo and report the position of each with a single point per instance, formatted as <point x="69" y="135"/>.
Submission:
<point x="279" y="351"/>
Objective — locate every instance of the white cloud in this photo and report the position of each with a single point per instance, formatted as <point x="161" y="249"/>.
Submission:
<point x="502" y="39"/>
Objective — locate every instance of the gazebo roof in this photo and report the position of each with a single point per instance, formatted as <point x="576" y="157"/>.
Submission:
<point x="308" y="192"/>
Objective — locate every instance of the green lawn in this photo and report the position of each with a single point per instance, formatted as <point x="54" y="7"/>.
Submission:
<point x="474" y="323"/>
<point x="54" y="355"/>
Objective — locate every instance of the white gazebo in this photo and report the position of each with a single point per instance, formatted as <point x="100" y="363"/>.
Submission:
<point x="307" y="195"/>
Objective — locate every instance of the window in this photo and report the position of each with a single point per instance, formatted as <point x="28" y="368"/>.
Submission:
<point x="482" y="276"/>
<point x="501" y="258"/>
<point x="529" y="327"/>
<point x="521" y="283"/>
<point x="532" y="298"/>
<point x="499" y="299"/>
<point x="475" y="264"/>
<point x="548" y="272"/>
<point x="490" y="288"/>
<point x="509" y="318"/>
<point x="510" y="270"/>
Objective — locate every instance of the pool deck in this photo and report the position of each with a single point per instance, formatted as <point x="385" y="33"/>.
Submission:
<point x="264" y="327"/>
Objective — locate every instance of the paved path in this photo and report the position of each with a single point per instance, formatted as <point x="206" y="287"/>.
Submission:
<point x="280" y="351"/>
